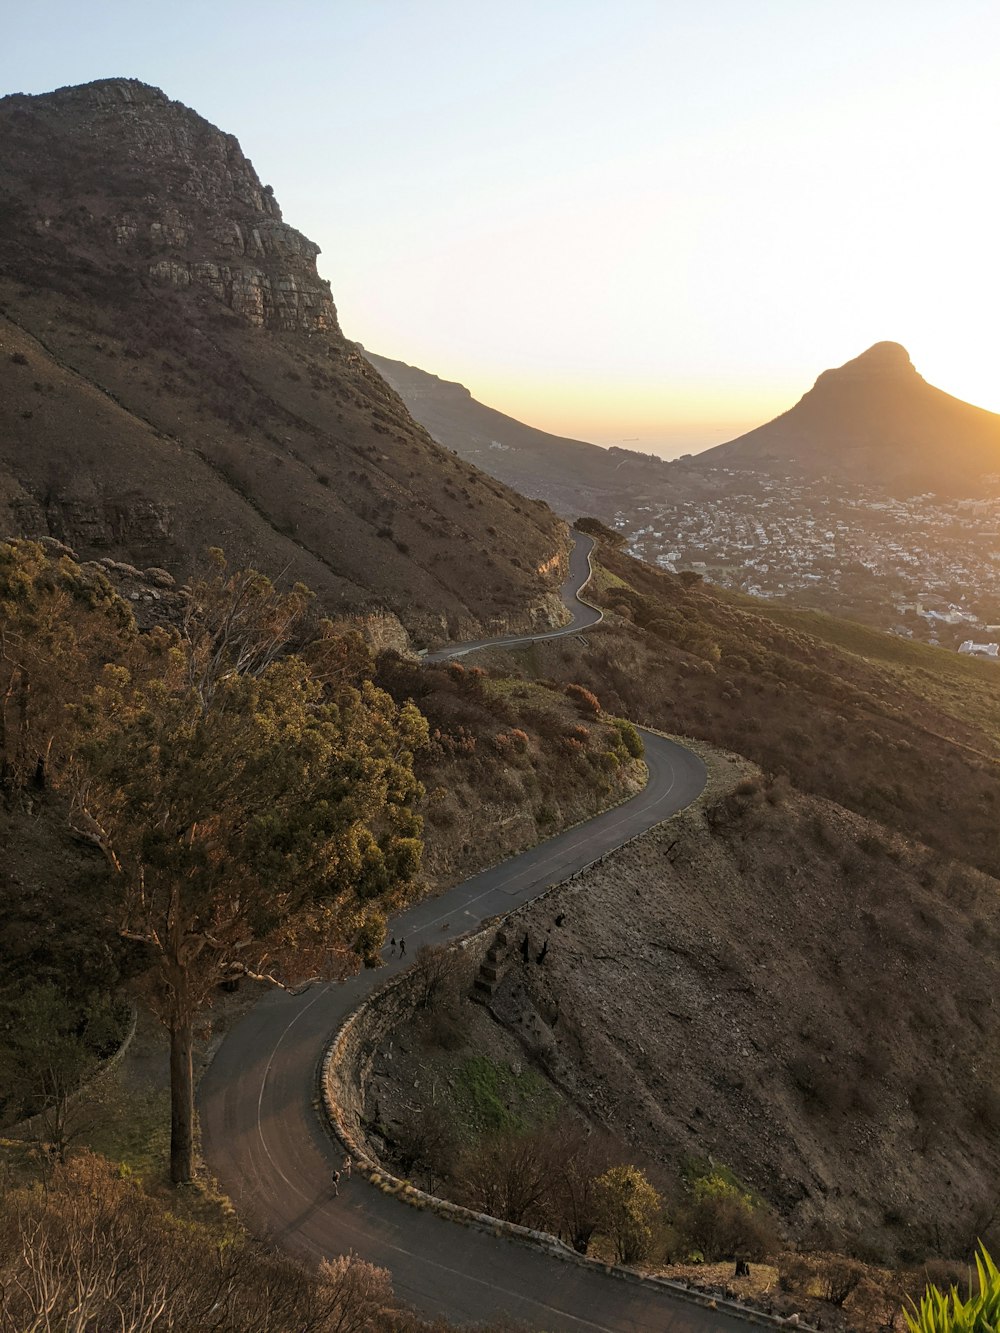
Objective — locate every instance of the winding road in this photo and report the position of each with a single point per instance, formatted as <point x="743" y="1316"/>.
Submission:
<point x="263" y="1138"/>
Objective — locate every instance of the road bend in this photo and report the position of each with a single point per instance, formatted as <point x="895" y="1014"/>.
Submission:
<point x="263" y="1138"/>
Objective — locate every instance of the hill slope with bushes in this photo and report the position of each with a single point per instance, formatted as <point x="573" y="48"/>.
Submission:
<point x="173" y="376"/>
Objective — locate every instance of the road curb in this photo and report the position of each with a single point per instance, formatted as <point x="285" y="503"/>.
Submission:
<point x="334" y="1121"/>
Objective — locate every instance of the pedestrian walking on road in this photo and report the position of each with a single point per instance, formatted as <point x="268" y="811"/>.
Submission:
<point x="392" y="947"/>
<point x="347" y="1165"/>
<point x="335" y="1181"/>
<point x="402" y="946"/>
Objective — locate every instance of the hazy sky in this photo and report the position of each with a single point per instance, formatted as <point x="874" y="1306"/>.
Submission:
<point x="617" y="220"/>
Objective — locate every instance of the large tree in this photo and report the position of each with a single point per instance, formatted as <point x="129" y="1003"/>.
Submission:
<point x="255" y="803"/>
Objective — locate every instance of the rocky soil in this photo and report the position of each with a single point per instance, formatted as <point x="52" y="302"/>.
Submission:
<point x="769" y="982"/>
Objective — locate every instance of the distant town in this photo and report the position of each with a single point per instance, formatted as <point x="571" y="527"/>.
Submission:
<point x="926" y="567"/>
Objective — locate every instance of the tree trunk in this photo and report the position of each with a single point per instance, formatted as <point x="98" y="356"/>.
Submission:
<point x="181" y="1103"/>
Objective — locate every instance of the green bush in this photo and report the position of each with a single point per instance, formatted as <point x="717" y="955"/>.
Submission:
<point x="722" y="1220"/>
<point x="630" y="738"/>
<point x="628" y="1208"/>
<point x="940" y="1313"/>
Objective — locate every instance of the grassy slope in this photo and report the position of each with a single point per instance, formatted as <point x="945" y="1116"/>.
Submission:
<point x="964" y="688"/>
<point x="906" y="735"/>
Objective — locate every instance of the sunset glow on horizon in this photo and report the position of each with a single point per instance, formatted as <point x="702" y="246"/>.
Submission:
<point x="654" y="223"/>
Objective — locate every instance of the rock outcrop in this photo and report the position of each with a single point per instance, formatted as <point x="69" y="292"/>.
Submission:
<point x="207" y="220"/>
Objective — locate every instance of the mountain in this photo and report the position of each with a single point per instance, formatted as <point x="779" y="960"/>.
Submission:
<point x="572" y="476"/>
<point x="874" y="419"/>
<point x="173" y="376"/>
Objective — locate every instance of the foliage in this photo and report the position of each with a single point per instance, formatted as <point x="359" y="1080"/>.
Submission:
<point x="91" y="1251"/>
<point x="723" y="1220"/>
<point x="50" y="1048"/>
<point x="628" y="1208"/>
<point x="586" y="701"/>
<point x="630" y="738"/>
<point x="58" y="625"/>
<point x="595" y="528"/>
<point x="507" y="1176"/>
<point x="949" y="1313"/>
<point x="255" y="808"/>
<point x="546" y="1176"/>
<point x="909" y="733"/>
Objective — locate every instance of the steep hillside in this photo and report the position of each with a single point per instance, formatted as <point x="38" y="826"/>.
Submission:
<point x="874" y="420"/>
<point x="898" y="732"/>
<point x="572" y="476"/>
<point x="173" y="375"/>
<point x="768" y="983"/>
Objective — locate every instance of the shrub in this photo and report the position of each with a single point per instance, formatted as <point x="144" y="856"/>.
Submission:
<point x="724" y="1221"/>
<point x="980" y="1313"/>
<point x="628" y="1209"/>
<point x="92" y="1251"/>
<point x="839" y="1279"/>
<point x="18" y="358"/>
<point x="595" y="528"/>
<point x="585" y="700"/>
<point x="630" y="738"/>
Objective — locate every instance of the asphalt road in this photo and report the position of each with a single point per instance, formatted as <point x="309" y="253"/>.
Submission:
<point x="262" y="1136"/>
<point x="583" y="616"/>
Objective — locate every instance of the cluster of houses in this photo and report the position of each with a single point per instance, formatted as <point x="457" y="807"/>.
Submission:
<point x="845" y="547"/>
<point x="980" y="649"/>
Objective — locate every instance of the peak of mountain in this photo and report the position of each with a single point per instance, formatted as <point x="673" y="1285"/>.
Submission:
<point x="874" y="419"/>
<point x="173" y="376"/>
<point x="572" y="476"/>
<point x="880" y="358"/>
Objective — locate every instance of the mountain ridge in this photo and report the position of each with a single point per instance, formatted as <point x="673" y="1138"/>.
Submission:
<point x="173" y="376"/>
<point x="533" y="461"/>
<point x="878" y="419"/>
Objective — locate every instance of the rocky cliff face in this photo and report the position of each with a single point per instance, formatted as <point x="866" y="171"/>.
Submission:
<point x="173" y="376"/>
<point x="206" y="219"/>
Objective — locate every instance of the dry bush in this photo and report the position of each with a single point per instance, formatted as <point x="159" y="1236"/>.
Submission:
<point x="839" y="1279"/>
<point x="724" y="1222"/>
<point x="506" y="1175"/>
<point x="438" y="975"/>
<point x="578" y="1157"/>
<point x="427" y="1139"/>
<point x="92" y="1251"/>
<point x="586" y="701"/>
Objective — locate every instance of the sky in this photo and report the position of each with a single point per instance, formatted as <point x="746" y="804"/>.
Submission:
<point x="651" y="223"/>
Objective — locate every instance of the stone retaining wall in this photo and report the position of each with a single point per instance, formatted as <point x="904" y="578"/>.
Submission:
<point x="343" y="1078"/>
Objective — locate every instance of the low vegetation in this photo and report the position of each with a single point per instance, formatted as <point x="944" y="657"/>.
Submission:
<point x="898" y="732"/>
<point x="507" y="761"/>
<point x="499" y="1137"/>
<point x="90" y="1250"/>
<point x="947" y="1312"/>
